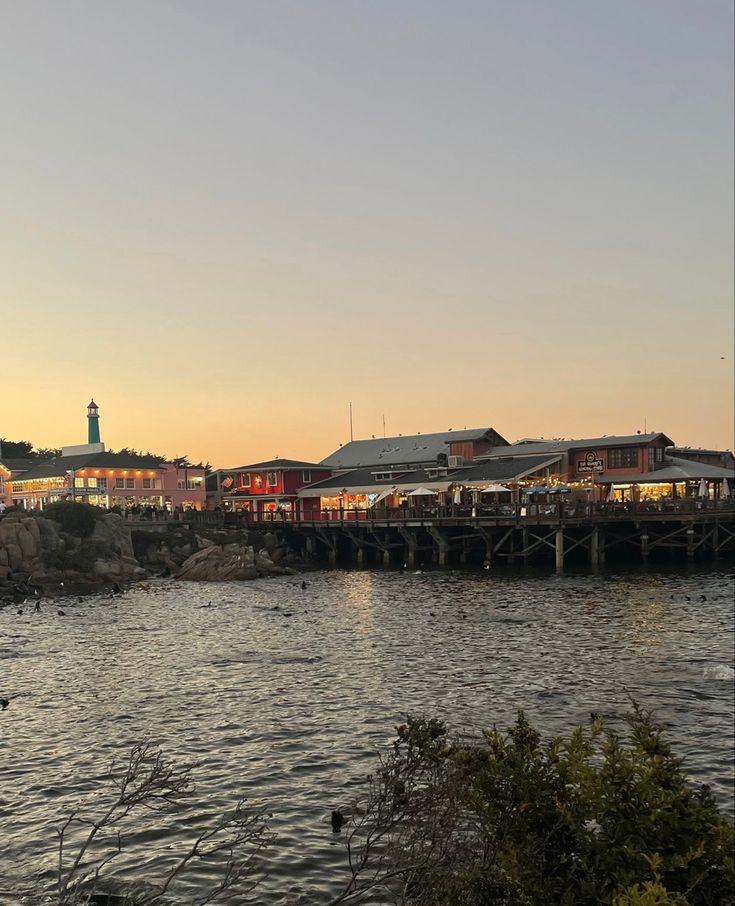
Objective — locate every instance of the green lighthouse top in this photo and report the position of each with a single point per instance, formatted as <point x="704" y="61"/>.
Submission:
<point x="93" y="423"/>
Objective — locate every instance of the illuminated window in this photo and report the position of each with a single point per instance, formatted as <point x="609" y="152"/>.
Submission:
<point x="193" y="484"/>
<point x="258" y="481"/>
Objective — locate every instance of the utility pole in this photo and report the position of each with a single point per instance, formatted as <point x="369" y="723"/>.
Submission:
<point x="351" y="435"/>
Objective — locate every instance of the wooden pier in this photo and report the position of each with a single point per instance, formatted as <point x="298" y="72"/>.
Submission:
<point x="557" y="535"/>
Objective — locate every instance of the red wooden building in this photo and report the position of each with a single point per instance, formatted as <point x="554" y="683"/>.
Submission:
<point x="263" y="487"/>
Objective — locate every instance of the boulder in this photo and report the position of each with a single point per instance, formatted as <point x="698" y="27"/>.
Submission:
<point x="227" y="563"/>
<point x="111" y="531"/>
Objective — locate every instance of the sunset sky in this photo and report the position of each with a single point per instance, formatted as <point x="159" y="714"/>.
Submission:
<point x="226" y="220"/>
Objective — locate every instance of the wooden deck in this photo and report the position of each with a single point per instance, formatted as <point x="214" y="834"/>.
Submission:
<point x="484" y="535"/>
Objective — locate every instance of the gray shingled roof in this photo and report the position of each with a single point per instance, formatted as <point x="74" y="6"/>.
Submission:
<point x="56" y="468"/>
<point x="673" y="469"/>
<point x="408" y="450"/>
<point x="17" y="465"/>
<point x="508" y="469"/>
<point x="363" y="480"/>
<point x="562" y="446"/>
<point x="275" y="464"/>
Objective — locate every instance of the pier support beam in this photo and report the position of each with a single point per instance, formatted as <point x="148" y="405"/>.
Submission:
<point x="442" y="545"/>
<point x="525" y="544"/>
<point x="595" y="547"/>
<point x="644" y="546"/>
<point x="559" y="549"/>
<point x="691" y="546"/>
<point x="411" y="544"/>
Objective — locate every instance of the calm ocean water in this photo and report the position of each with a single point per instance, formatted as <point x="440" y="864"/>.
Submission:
<point x="291" y="709"/>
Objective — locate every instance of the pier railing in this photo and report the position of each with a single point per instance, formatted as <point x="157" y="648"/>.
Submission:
<point x="519" y="514"/>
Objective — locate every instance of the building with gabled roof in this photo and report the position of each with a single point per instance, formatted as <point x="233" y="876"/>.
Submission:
<point x="87" y="472"/>
<point x="414" y="450"/>
<point x="262" y="487"/>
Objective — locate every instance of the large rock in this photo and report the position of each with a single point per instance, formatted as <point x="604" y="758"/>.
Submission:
<point x="228" y="562"/>
<point x="111" y="531"/>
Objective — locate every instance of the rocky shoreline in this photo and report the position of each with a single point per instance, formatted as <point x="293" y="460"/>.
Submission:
<point x="39" y="555"/>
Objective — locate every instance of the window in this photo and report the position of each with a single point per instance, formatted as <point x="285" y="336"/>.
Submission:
<point x="272" y="479"/>
<point x="181" y="484"/>
<point x="91" y="482"/>
<point x="129" y="482"/>
<point x="146" y="484"/>
<point x="245" y="480"/>
<point x="193" y="484"/>
<point x="655" y="457"/>
<point x="119" y="482"/>
<point x="306" y="476"/>
<point x="78" y="482"/>
<point x="102" y="484"/>
<point x="622" y="458"/>
<point x="382" y="476"/>
<point x="258" y="481"/>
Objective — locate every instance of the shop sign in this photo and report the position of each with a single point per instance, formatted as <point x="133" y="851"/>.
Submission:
<point x="590" y="463"/>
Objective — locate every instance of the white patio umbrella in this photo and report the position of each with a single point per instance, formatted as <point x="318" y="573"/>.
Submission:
<point x="611" y="495"/>
<point x="457" y="496"/>
<point x="703" y="490"/>
<point x="725" y="489"/>
<point x="496" y="489"/>
<point x="421" y="492"/>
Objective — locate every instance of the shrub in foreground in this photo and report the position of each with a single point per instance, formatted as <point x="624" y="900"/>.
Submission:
<point x="598" y="818"/>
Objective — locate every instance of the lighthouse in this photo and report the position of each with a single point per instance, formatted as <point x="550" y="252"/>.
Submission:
<point x="94" y="444"/>
<point x="93" y="423"/>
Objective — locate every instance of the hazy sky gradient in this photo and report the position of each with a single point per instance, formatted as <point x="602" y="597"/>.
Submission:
<point x="227" y="219"/>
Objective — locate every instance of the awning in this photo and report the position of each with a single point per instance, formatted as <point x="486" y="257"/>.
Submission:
<point x="347" y="491"/>
<point x="434" y="487"/>
<point x="496" y="489"/>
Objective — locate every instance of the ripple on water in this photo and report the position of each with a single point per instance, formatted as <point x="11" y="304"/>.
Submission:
<point x="291" y="711"/>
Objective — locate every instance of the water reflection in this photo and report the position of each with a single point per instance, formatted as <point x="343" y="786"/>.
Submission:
<point x="285" y="694"/>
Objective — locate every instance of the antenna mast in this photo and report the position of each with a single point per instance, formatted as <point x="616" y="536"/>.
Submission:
<point x="351" y="435"/>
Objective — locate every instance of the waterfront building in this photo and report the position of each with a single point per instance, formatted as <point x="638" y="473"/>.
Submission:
<point x="9" y="469"/>
<point x="87" y="472"/>
<point x="459" y="467"/>
<point x="621" y="467"/>
<point x="262" y="487"/>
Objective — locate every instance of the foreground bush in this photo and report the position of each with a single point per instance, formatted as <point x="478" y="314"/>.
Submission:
<point x="76" y="518"/>
<point x="595" y="819"/>
<point x="507" y="820"/>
